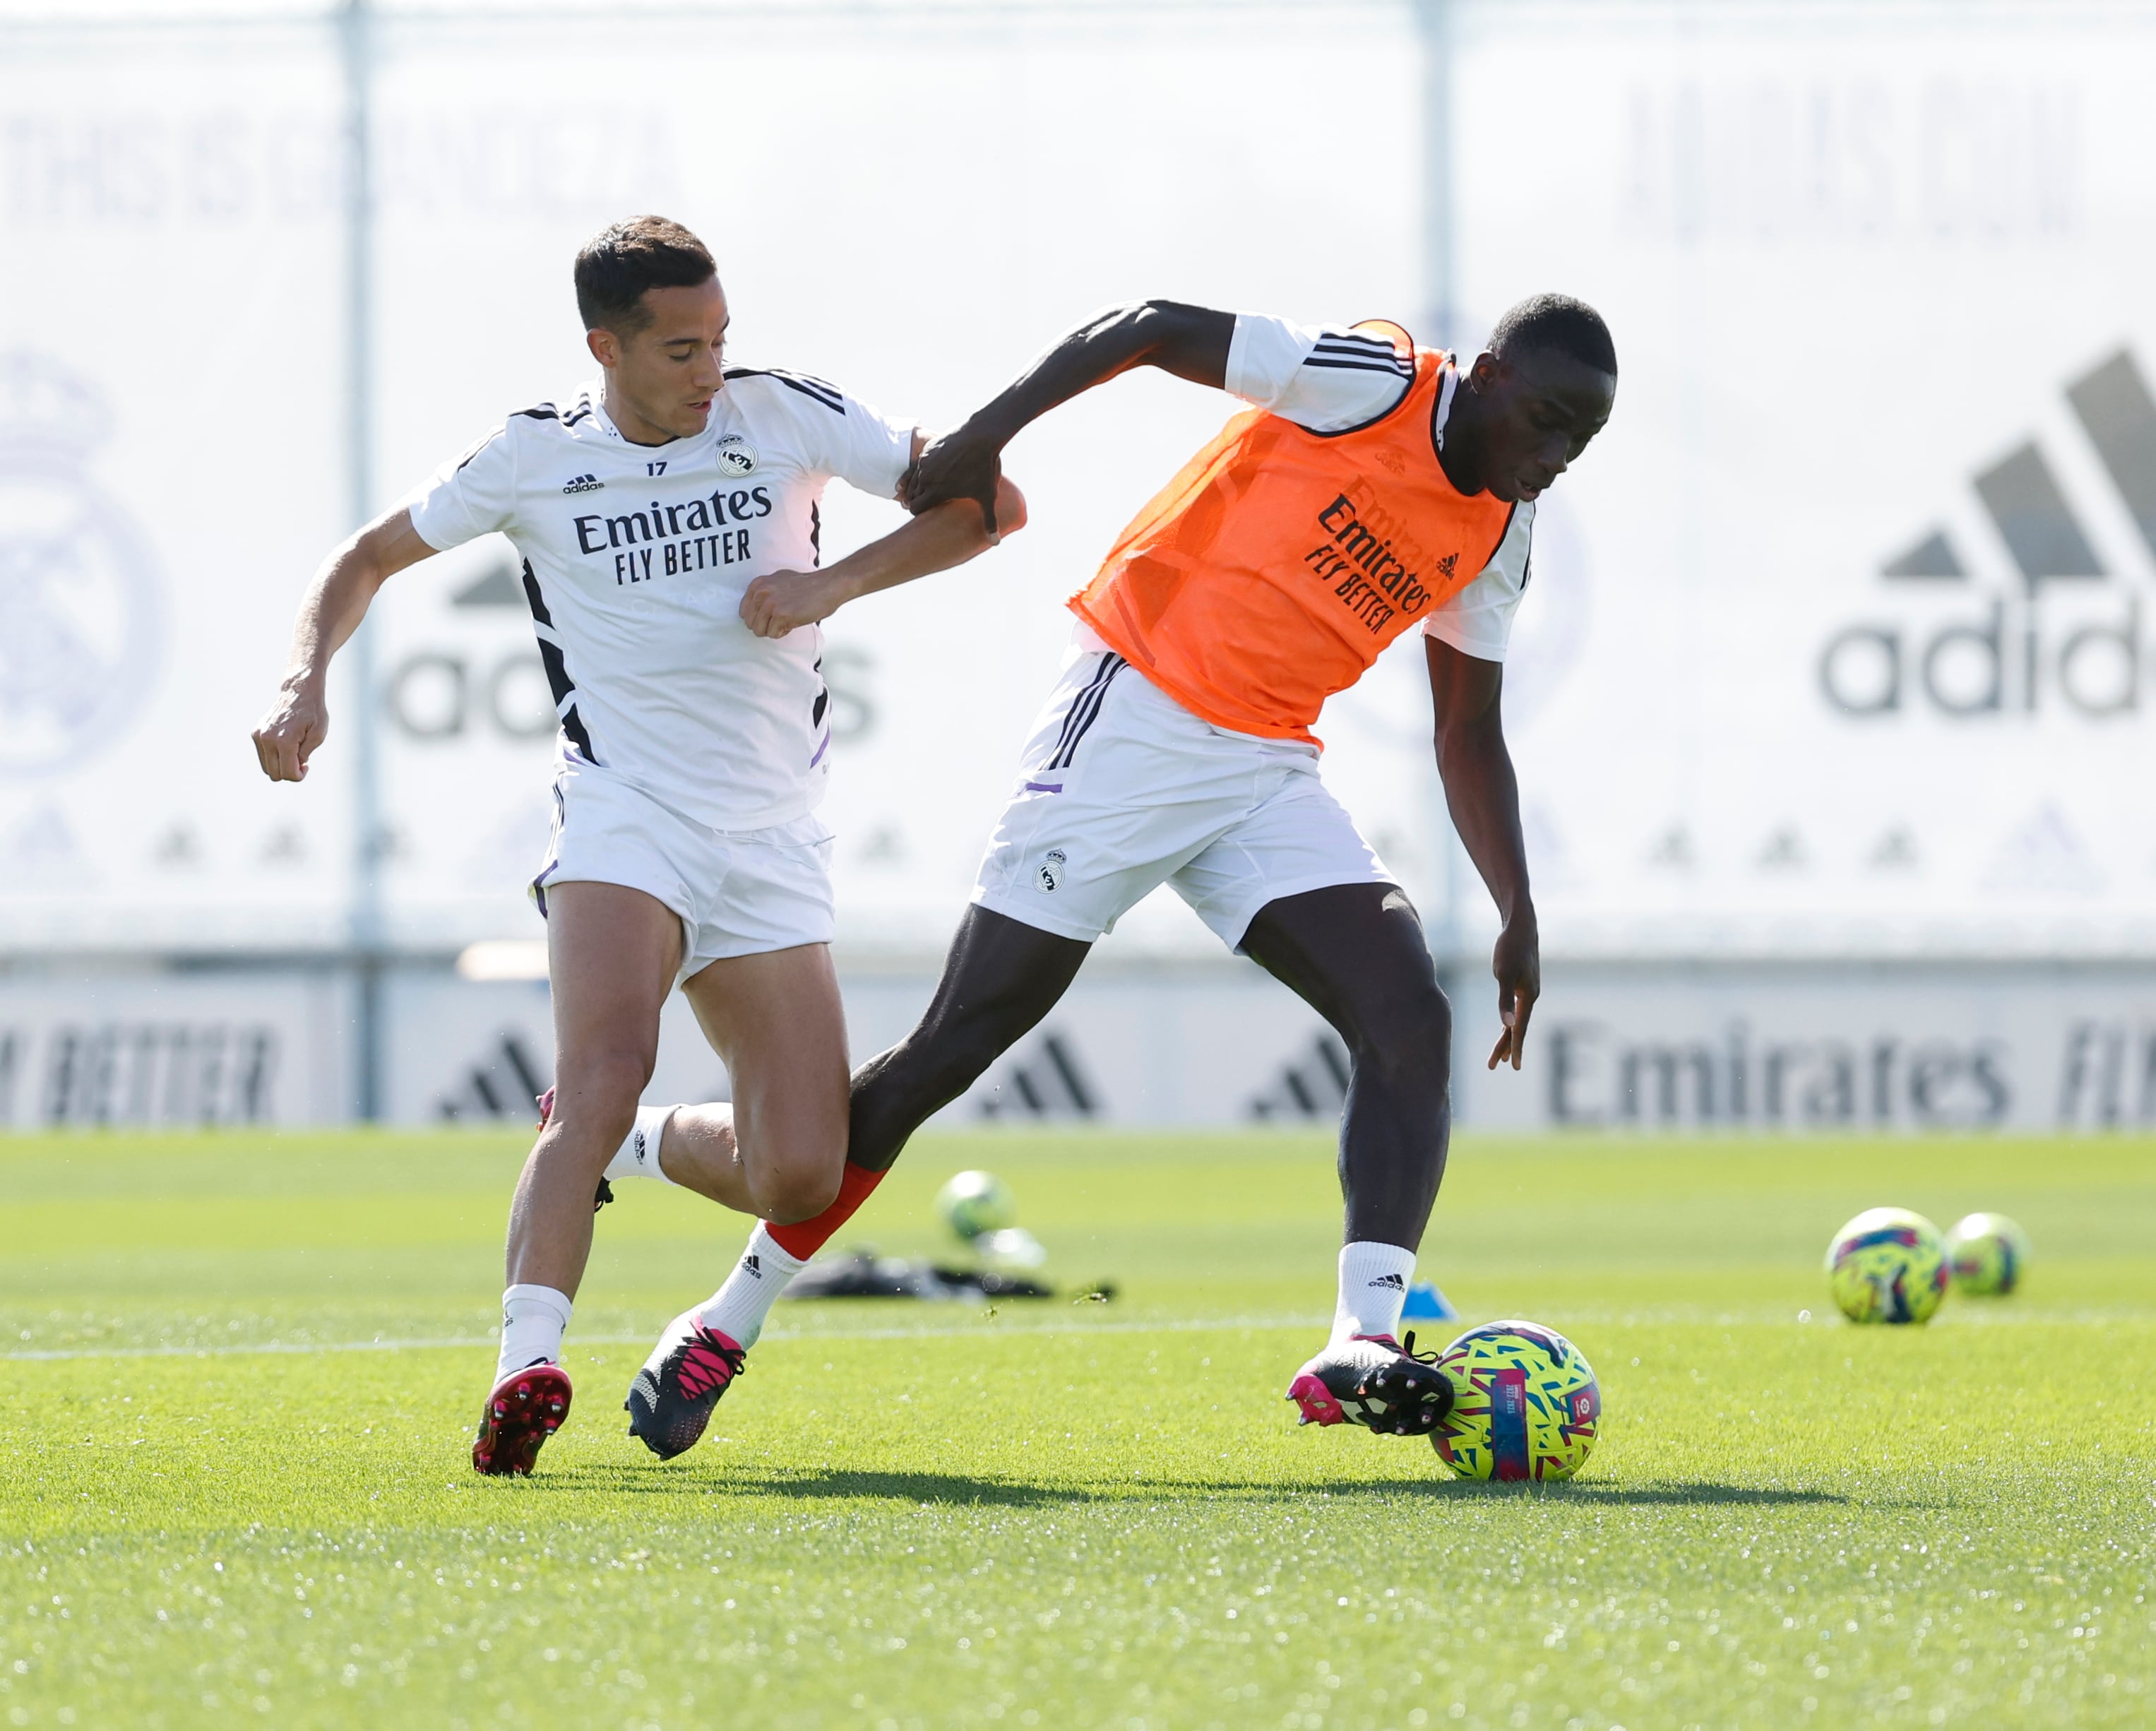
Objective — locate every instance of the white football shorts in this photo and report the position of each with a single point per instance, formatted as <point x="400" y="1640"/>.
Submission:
<point x="737" y="892"/>
<point x="1123" y="789"/>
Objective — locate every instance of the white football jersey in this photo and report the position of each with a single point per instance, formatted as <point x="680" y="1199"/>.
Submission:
<point x="635" y="557"/>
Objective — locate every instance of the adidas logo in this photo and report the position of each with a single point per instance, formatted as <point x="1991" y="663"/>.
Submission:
<point x="1444" y="565"/>
<point x="1313" y="1088"/>
<point x="752" y="1266"/>
<point x="638" y="1137"/>
<point x="1393" y="1280"/>
<point x="584" y="484"/>
<point x="2039" y="617"/>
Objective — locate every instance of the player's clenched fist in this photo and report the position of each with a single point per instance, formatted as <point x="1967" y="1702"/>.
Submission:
<point x="297" y="722"/>
<point x="779" y="601"/>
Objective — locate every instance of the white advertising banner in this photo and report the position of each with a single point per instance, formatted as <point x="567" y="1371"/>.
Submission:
<point x="1732" y="1047"/>
<point x="90" y="1049"/>
<point x="1837" y="639"/>
<point x="170" y="464"/>
<point x="1857" y="660"/>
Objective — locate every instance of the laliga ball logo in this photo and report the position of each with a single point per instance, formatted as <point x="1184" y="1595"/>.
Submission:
<point x="81" y="619"/>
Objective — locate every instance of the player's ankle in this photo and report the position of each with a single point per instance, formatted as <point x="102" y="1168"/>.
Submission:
<point x="533" y="1320"/>
<point x="1373" y="1287"/>
<point x="738" y="1308"/>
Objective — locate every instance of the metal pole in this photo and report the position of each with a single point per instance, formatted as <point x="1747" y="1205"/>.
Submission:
<point x="367" y="928"/>
<point x="1434" y="28"/>
<point x="1441" y="320"/>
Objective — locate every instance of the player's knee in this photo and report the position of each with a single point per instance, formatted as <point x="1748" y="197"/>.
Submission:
<point x="1408" y="1037"/>
<point x="798" y="1190"/>
<point x="598" y="1092"/>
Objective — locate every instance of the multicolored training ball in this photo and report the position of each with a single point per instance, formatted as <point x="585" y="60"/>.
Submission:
<point x="1526" y="1406"/>
<point x="1888" y="1265"/>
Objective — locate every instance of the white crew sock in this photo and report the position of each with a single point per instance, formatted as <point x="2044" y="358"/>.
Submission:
<point x="533" y="1319"/>
<point x="737" y="1309"/>
<point x="638" y="1156"/>
<point x="1374" y="1285"/>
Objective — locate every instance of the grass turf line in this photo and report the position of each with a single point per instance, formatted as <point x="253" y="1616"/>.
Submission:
<point x="930" y="1517"/>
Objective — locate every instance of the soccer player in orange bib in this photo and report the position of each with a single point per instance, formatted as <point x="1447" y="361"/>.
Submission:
<point x="1372" y="488"/>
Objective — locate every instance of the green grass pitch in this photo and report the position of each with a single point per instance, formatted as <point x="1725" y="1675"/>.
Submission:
<point x="241" y="1375"/>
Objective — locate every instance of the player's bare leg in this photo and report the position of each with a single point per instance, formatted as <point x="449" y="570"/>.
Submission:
<point x="774" y="1151"/>
<point x="1357" y="955"/>
<point x="1001" y="977"/>
<point x="777" y="1021"/>
<point x="612" y="954"/>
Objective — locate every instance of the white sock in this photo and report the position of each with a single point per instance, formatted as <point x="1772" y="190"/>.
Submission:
<point x="533" y="1319"/>
<point x="737" y="1309"/>
<point x="638" y="1156"/>
<point x="1374" y="1285"/>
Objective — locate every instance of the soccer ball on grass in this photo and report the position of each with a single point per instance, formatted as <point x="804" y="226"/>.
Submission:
<point x="1888" y="1265"/>
<point x="975" y="1202"/>
<point x="1988" y="1253"/>
<point x="1526" y="1403"/>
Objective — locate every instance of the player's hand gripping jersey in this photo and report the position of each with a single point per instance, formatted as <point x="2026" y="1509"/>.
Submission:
<point x="635" y="560"/>
<point x="1307" y="537"/>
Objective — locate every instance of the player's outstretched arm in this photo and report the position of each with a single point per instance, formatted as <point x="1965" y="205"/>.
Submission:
<point x="1190" y="341"/>
<point x="949" y="535"/>
<point x="1483" y="796"/>
<point x="337" y="601"/>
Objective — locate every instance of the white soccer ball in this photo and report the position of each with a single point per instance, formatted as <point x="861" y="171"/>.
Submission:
<point x="974" y="1202"/>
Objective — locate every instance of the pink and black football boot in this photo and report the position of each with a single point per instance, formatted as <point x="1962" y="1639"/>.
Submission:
<point x="1372" y="1380"/>
<point x="671" y="1399"/>
<point x="526" y="1407"/>
<point x="546" y="1111"/>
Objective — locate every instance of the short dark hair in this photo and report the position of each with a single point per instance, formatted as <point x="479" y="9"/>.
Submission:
<point x="617" y="265"/>
<point x="1559" y="322"/>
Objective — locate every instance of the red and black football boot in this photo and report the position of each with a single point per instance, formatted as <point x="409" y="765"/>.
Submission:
<point x="526" y="1407"/>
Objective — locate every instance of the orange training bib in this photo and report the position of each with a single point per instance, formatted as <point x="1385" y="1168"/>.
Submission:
<point x="1277" y="565"/>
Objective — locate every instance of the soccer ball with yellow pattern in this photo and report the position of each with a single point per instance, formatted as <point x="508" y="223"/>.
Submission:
<point x="1888" y="1265"/>
<point x="1526" y="1405"/>
<point x="1989" y="1254"/>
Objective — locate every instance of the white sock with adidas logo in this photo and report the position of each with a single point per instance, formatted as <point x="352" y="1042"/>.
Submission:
<point x="1374" y="1285"/>
<point x="638" y="1156"/>
<point x="737" y="1309"/>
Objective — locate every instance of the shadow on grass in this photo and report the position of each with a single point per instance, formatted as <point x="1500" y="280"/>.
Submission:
<point x="961" y="1489"/>
<point x="1630" y="1496"/>
<point x="948" y="1488"/>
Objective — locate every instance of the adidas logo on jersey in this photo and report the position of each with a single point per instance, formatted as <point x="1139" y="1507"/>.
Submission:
<point x="1444" y="565"/>
<point x="584" y="484"/>
<point x="1393" y="1280"/>
<point x="752" y="1266"/>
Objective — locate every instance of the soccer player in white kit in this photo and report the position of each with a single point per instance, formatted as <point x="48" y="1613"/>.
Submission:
<point x="649" y="510"/>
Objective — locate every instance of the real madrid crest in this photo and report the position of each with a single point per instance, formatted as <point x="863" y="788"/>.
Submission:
<point x="736" y="455"/>
<point x="81" y="603"/>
